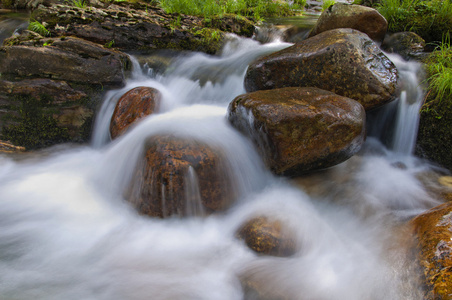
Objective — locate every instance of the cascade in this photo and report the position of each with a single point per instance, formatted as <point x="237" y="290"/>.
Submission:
<point x="67" y="232"/>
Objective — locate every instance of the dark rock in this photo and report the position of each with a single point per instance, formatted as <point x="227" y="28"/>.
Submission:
<point x="300" y="129"/>
<point x="268" y="236"/>
<point x="180" y="176"/>
<point x="362" y="18"/>
<point x="68" y="59"/>
<point x="434" y="241"/>
<point x="343" y="61"/>
<point x="132" y="107"/>
<point x="407" y="44"/>
<point x="41" y="112"/>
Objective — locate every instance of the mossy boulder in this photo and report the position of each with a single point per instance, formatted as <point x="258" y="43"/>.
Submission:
<point x="268" y="236"/>
<point x="362" y="18"/>
<point x="433" y="231"/>
<point x="133" y="106"/>
<point x="297" y="130"/>
<point x="180" y="177"/>
<point x="344" y="61"/>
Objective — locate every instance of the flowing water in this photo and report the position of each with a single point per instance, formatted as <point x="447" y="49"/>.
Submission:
<point x="67" y="233"/>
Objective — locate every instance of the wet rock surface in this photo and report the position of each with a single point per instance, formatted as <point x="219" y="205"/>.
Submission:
<point x="133" y="106"/>
<point x="180" y="176"/>
<point x="433" y="231"/>
<point x="362" y="18"/>
<point x="300" y="129"/>
<point x="343" y="61"/>
<point x="268" y="236"/>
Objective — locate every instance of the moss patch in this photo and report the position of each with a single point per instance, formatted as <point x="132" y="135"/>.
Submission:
<point x="35" y="126"/>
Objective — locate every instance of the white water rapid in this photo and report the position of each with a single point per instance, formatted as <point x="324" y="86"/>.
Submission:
<point x="67" y="233"/>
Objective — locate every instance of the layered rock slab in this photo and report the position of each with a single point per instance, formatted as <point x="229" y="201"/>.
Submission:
<point x="344" y="61"/>
<point x="297" y="130"/>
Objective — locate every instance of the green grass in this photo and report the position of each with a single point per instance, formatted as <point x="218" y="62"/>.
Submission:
<point x="327" y="3"/>
<point x="428" y="18"/>
<point x="79" y="3"/>
<point x="38" y="27"/>
<point x="439" y="70"/>
<point x="257" y="9"/>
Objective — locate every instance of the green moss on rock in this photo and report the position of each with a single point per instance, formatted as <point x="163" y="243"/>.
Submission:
<point x="35" y="126"/>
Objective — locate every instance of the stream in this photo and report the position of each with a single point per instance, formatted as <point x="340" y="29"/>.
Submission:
<point x="68" y="233"/>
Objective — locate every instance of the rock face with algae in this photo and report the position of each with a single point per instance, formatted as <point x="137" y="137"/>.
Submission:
<point x="433" y="230"/>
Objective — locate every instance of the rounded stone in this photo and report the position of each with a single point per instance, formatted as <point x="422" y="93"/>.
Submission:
<point x="133" y="106"/>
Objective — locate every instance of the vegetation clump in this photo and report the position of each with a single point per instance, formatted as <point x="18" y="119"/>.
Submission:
<point x="257" y="9"/>
<point x="431" y="19"/>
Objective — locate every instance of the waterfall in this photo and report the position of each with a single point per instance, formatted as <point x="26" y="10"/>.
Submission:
<point x="69" y="233"/>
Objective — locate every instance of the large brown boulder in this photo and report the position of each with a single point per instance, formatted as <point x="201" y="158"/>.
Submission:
<point x="300" y="129"/>
<point x="344" y="61"/>
<point x="180" y="176"/>
<point x="362" y="18"/>
<point x="268" y="236"/>
<point x="68" y="59"/>
<point x="433" y="230"/>
<point x="133" y="106"/>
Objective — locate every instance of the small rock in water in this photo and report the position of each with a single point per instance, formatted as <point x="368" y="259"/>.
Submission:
<point x="268" y="236"/>
<point x="132" y="107"/>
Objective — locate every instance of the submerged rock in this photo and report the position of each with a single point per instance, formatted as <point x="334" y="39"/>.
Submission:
<point x="268" y="236"/>
<point x="133" y="106"/>
<point x="180" y="176"/>
<point x="362" y="18"/>
<point x="343" y="61"/>
<point x="433" y="230"/>
<point x="300" y="129"/>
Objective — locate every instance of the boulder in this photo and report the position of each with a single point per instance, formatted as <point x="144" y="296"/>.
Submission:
<point x="132" y="107"/>
<point x="180" y="176"/>
<point x="300" y="129"/>
<point x="407" y="44"/>
<point x="362" y="18"/>
<point x="433" y="231"/>
<point x="68" y="59"/>
<point x="344" y="61"/>
<point x="268" y="236"/>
